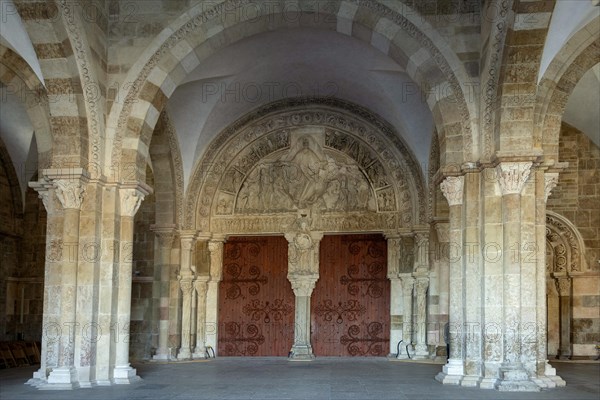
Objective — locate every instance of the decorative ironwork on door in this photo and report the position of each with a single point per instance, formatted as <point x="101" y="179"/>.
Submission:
<point x="256" y="305"/>
<point x="351" y="300"/>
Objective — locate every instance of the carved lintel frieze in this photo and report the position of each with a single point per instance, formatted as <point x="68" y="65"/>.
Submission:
<point x="452" y="189"/>
<point x="303" y="285"/>
<point x="550" y="182"/>
<point x="512" y="176"/>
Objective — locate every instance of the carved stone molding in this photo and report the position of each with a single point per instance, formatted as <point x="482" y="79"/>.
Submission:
<point x="452" y="189"/>
<point x="394" y="245"/>
<point x="69" y="192"/>
<point x="215" y="247"/>
<point x="550" y="182"/>
<point x="565" y="246"/>
<point x="303" y="285"/>
<point x="563" y="286"/>
<point x="264" y="152"/>
<point x="130" y="201"/>
<point x="177" y="164"/>
<point x="512" y="176"/>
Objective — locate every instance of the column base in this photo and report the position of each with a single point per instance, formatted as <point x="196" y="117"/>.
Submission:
<point x="516" y="379"/>
<point x="421" y="353"/>
<point x="162" y="355"/>
<point x="63" y="378"/>
<point x="199" y="353"/>
<point x="489" y="383"/>
<point x="470" y="381"/>
<point x="38" y="378"/>
<point x="184" y="354"/>
<point x="452" y="373"/>
<point x="301" y="353"/>
<point x="124" y="375"/>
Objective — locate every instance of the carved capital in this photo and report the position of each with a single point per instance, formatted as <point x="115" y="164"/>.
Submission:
<point x="452" y="188"/>
<point x="187" y="243"/>
<point x="201" y="285"/>
<point x="165" y="239"/>
<point x="563" y="286"/>
<point x="550" y="182"/>
<point x="407" y="285"/>
<point x="186" y="287"/>
<point x="69" y="192"/>
<point x="443" y="231"/>
<point x="130" y="201"/>
<point x="303" y="285"/>
<point x="421" y="285"/>
<point x="45" y="192"/>
<point x="512" y="176"/>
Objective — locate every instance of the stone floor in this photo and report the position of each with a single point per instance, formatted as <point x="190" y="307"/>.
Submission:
<point x="277" y="378"/>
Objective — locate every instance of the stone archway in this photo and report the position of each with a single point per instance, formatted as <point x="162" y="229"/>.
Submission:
<point x="302" y="168"/>
<point x="564" y="256"/>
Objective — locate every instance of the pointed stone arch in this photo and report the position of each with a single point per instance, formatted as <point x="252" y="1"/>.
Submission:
<point x="339" y="136"/>
<point x="393" y="28"/>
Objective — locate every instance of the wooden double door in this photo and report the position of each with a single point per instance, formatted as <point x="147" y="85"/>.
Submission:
<point x="349" y="305"/>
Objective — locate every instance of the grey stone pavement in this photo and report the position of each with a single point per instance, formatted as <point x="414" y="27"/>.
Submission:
<point x="277" y="378"/>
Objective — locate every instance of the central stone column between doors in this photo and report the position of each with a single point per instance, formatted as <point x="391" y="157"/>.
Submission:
<point x="303" y="273"/>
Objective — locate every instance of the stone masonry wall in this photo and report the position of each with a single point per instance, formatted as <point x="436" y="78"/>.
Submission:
<point x="577" y="198"/>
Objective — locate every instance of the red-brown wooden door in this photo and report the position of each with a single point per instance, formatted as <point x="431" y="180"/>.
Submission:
<point x="350" y="305"/>
<point x="256" y="301"/>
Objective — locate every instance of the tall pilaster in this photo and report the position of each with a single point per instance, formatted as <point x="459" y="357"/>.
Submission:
<point x="452" y="373"/>
<point x="563" y="287"/>
<point x="215" y="248"/>
<point x="164" y="244"/>
<point x="130" y="199"/>
<point x="186" y="276"/>
<point x="421" y="285"/>
<point x="52" y="280"/>
<point x="303" y="273"/>
<point x="546" y="373"/>
<point x="512" y="177"/>
<point x="69" y="188"/>
<point x="473" y="277"/>
<point x="407" y="282"/>
<point x="393" y="264"/>
<point x="201" y="288"/>
<point x="421" y="275"/>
